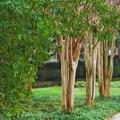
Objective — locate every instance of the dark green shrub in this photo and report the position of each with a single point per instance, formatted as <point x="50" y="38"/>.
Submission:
<point x="23" y="46"/>
<point x="116" y="68"/>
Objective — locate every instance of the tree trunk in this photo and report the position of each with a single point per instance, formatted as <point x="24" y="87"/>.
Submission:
<point x="90" y="63"/>
<point x="29" y="90"/>
<point x="69" y="60"/>
<point x="105" y="66"/>
<point x="100" y="69"/>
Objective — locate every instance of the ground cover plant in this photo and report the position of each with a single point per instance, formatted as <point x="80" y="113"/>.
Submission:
<point x="46" y="105"/>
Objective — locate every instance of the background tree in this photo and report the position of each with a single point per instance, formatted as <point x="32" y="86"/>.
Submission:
<point x="100" y="19"/>
<point x="105" y="60"/>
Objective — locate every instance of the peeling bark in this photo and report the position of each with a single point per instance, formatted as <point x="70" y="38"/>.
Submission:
<point x="100" y="69"/>
<point x="105" y="66"/>
<point x="69" y="60"/>
<point x="90" y="63"/>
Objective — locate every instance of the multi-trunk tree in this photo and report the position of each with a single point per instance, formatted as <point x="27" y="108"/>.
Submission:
<point x="67" y="20"/>
<point x="70" y="43"/>
<point x="70" y="50"/>
<point x="100" y="19"/>
<point x="105" y="65"/>
<point x="106" y="50"/>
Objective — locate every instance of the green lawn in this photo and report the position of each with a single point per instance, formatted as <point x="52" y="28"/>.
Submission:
<point x="56" y="90"/>
<point x="46" y="105"/>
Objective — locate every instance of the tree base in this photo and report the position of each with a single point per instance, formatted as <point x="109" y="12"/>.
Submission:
<point x="89" y="103"/>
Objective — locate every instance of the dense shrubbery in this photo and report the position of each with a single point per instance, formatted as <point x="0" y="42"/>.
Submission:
<point x="116" y="69"/>
<point x="79" y="84"/>
<point x="23" y="46"/>
<point x="51" y="71"/>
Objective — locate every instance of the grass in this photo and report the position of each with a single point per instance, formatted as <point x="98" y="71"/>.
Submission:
<point x="55" y="91"/>
<point x="46" y="105"/>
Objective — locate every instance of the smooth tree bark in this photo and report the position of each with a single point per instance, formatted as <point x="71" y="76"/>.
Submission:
<point x="70" y="51"/>
<point x="105" y="66"/>
<point x="100" y="69"/>
<point x="90" y="63"/>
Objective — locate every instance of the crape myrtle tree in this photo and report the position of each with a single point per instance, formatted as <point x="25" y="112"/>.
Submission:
<point x="105" y="63"/>
<point x="24" y="44"/>
<point x="90" y="46"/>
<point x="70" y="25"/>
<point x="102" y="18"/>
<point x="67" y="20"/>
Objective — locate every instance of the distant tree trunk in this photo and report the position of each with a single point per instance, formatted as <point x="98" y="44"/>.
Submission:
<point x="100" y="69"/>
<point x="90" y="63"/>
<point x="105" y="66"/>
<point x="69" y="60"/>
<point x="108" y="66"/>
<point x="29" y="89"/>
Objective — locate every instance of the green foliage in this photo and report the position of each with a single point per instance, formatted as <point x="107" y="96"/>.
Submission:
<point x="115" y="84"/>
<point x="74" y="18"/>
<point x="23" y="46"/>
<point x="80" y="84"/>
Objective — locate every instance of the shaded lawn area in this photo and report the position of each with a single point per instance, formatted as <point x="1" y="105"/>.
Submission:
<point x="46" y="105"/>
